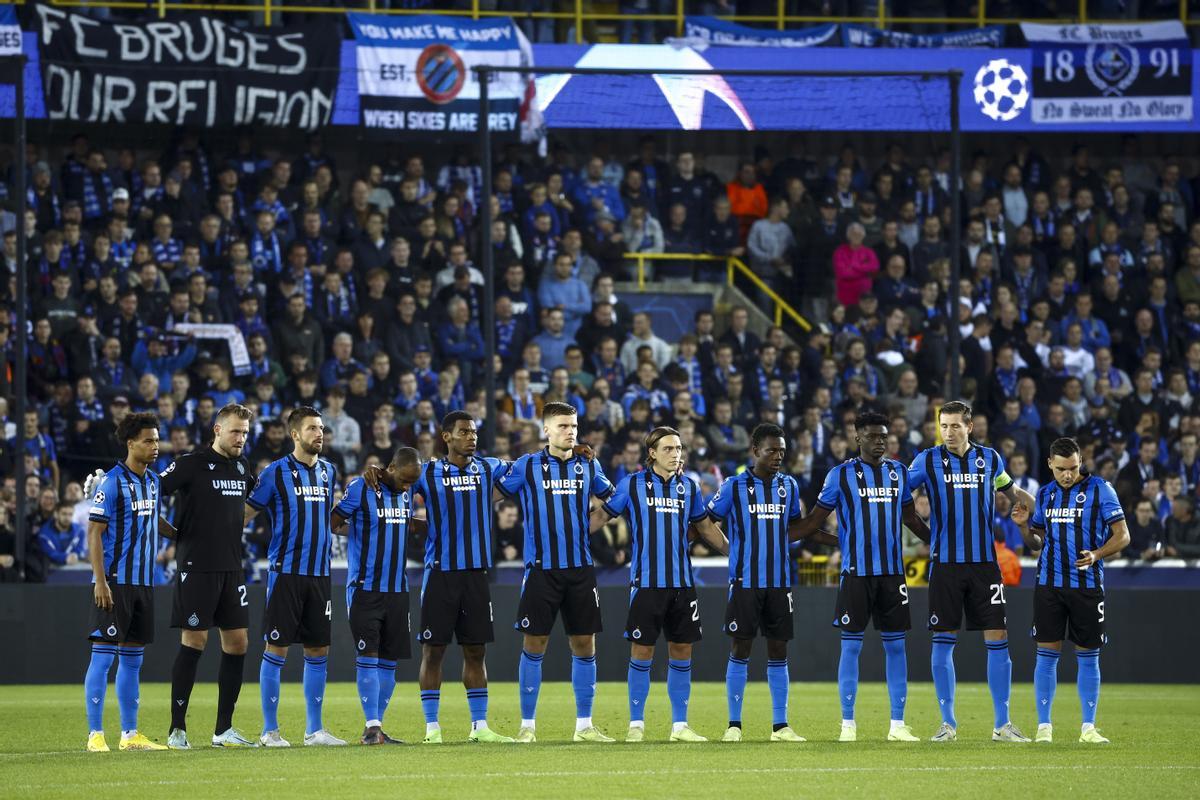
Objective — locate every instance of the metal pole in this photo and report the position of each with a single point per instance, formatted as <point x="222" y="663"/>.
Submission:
<point x="17" y="65"/>
<point x="487" y="259"/>
<point x="954" y="343"/>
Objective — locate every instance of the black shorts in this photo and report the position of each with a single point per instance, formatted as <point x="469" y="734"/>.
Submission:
<point x="863" y="598"/>
<point x="751" y="610"/>
<point x="380" y="623"/>
<point x="130" y="620"/>
<point x="299" y="610"/>
<point x="674" y="612"/>
<point x="975" y="588"/>
<point x="544" y="592"/>
<point x="205" y="599"/>
<point x="1075" y="614"/>
<point x="456" y="605"/>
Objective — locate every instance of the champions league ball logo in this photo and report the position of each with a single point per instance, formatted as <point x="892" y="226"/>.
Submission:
<point x="1001" y="90"/>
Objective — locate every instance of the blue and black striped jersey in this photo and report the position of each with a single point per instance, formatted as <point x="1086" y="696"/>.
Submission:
<point x="375" y="542"/>
<point x="128" y="504"/>
<point x="660" y="512"/>
<point x="554" y="502"/>
<point x="1074" y="519"/>
<point x="298" y="500"/>
<point x="869" y="501"/>
<point x="458" y="503"/>
<point x="757" y="514"/>
<point x="962" y="498"/>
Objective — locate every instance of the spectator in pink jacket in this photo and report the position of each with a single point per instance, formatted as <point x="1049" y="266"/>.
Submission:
<point x="854" y="266"/>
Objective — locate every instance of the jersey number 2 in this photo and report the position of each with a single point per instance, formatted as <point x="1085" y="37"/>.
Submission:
<point x="695" y="604"/>
<point x="242" y="595"/>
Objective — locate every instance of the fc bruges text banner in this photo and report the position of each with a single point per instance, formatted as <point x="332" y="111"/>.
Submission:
<point x="415" y="74"/>
<point x="1110" y="73"/>
<point x="192" y="70"/>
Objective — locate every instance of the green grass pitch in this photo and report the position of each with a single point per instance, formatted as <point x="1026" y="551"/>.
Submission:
<point x="1155" y="750"/>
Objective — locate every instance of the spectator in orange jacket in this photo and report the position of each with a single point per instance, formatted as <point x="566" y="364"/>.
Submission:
<point x="747" y="198"/>
<point x="1010" y="562"/>
<point x="854" y="266"/>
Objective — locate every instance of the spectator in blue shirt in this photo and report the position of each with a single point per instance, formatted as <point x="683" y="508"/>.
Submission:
<point x="337" y="370"/>
<point x="460" y="339"/>
<point x="151" y="356"/>
<point x="594" y="195"/>
<point x="61" y="540"/>
<point x="568" y="295"/>
<point x="553" y="341"/>
<point x="1095" y="331"/>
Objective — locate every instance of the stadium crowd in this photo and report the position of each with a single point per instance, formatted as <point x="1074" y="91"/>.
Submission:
<point x="359" y="291"/>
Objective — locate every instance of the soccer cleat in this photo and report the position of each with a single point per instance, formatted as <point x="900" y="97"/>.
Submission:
<point x="372" y="736"/>
<point x="138" y="741"/>
<point x="177" y="740"/>
<point x="786" y="734"/>
<point x="1008" y="733"/>
<point x="637" y="733"/>
<point x="488" y="736"/>
<point x="1045" y="733"/>
<point x="902" y="733"/>
<point x="96" y="743"/>
<point x="849" y="733"/>
<point x="432" y="737"/>
<point x="686" y="734"/>
<point x="592" y="734"/>
<point x="945" y="733"/>
<point x="1090" y="735"/>
<point x="526" y="735"/>
<point x="732" y="734"/>
<point x="232" y="738"/>
<point x="273" y="739"/>
<point x="388" y="739"/>
<point x="322" y="738"/>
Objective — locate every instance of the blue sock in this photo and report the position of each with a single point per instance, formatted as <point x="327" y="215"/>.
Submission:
<point x="95" y="683"/>
<point x="529" y="678"/>
<point x="999" y="674"/>
<point x="777" y="682"/>
<point x="679" y="688"/>
<point x="387" y="684"/>
<point x="430" y="700"/>
<point x="1089" y="683"/>
<point x="367" y="670"/>
<point x="639" y="688"/>
<point x="477" y="702"/>
<point x="268" y="686"/>
<point x="1045" y="682"/>
<point x="129" y="669"/>
<point x="314" y="692"/>
<point x="896" y="670"/>
<point x="735" y="687"/>
<point x="583" y="680"/>
<point x="848" y="672"/>
<point x="942" y="666"/>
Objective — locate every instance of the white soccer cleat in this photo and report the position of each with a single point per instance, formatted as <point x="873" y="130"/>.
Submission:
<point x="1089" y="735"/>
<point x="1009" y="733"/>
<point x="944" y="734"/>
<point x="902" y="733"/>
<point x="231" y="738"/>
<point x="732" y="734"/>
<point x="177" y="739"/>
<point x="322" y="738"/>
<point x="1045" y="733"/>
<point x="273" y="739"/>
<point x="849" y="732"/>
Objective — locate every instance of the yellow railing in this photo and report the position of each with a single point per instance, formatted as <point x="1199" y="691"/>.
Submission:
<point x="581" y="11"/>
<point x="733" y="266"/>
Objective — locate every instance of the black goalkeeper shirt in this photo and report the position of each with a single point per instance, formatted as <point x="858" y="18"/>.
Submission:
<point x="210" y="504"/>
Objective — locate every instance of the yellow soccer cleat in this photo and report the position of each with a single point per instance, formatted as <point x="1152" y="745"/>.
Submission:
<point x="1089" y="735"/>
<point x="96" y="743"/>
<point x="1045" y="733"/>
<point x="526" y="736"/>
<point x="138" y="741"/>
<point x="902" y="733"/>
<point x="637" y="733"/>
<point x="686" y="734"/>
<point x="592" y="734"/>
<point x="848" y="733"/>
<point x="732" y="734"/>
<point x="786" y="734"/>
<point x="433" y="737"/>
<point x="488" y="736"/>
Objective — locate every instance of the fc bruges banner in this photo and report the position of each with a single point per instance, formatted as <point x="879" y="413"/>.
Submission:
<point x="192" y="70"/>
<point x="414" y="74"/>
<point x="1110" y="73"/>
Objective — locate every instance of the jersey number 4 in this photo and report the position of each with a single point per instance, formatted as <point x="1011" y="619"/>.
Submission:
<point x="329" y="609"/>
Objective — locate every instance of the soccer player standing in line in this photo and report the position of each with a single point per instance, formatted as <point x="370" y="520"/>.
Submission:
<point x="210" y="589"/>
<point x="1077" y="523"/>
<point x="555" y="485"/>
<point x="123" y="529"/>
<point x="870" y="494"/>
<point x="297" y="493"/>
<point x="757" y="506"/>
<point x="456" y="601"/>
<point x="962" y="479"/>
<point x="377" y="520"/>
<point x="662" y="505"/>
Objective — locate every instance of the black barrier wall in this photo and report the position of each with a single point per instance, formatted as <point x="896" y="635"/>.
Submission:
<point x="1152" y="637"/>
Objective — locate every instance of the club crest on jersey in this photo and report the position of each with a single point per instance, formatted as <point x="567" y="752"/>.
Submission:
<point x="579" y="469"/>
<point x="979" y="462"/>
<point x="679" y="488"/>
<point x="1079" y="498"/>
<point x="153" y="490"/>
<point x="322" y="474"/>
<point x="193" y="620"/>
<point x="782" y="492"/>
<point x="404" y="496"/>
<point x="473" y="467"/>
<point x="893" y="475"/>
